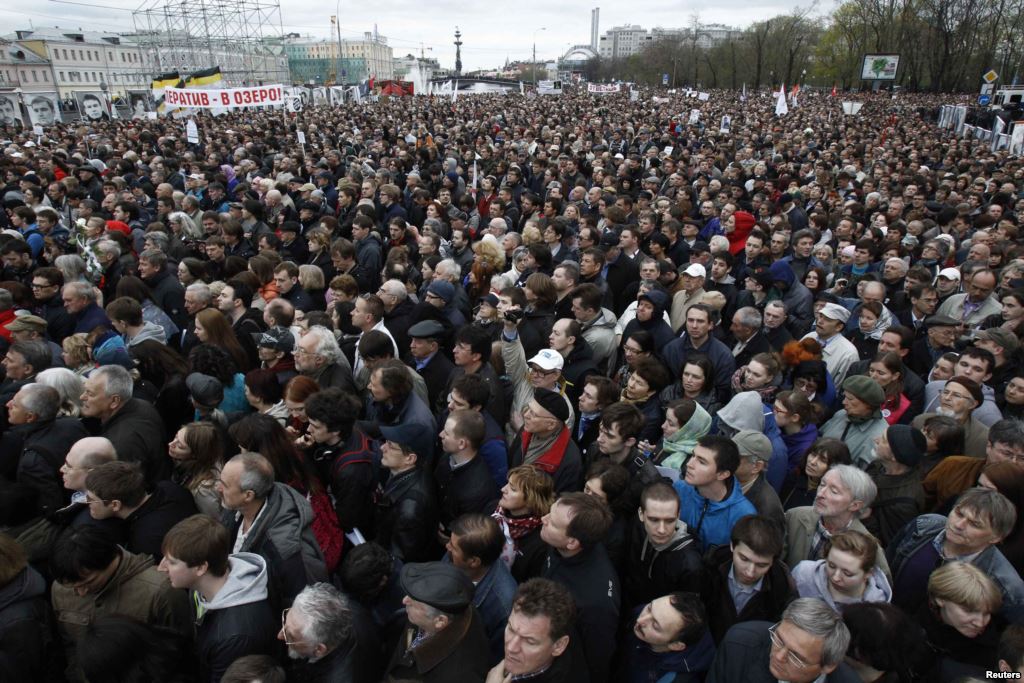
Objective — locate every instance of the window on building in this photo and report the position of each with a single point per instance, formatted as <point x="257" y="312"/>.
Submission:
<point x="46" y="76"/>
<point x="35" y="76"/>
<point x="60" y="75"/>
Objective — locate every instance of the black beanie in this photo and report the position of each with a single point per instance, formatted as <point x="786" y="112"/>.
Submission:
<point x="553" y="402"/>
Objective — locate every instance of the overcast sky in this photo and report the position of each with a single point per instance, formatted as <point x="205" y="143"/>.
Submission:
<point x="489" y="36"/>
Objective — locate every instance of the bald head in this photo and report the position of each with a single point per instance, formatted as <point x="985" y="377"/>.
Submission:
<point x="86" y="455"/>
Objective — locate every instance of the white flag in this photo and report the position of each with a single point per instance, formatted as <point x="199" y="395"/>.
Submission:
<point x="521" y="90"/>
<point x="455" y="91"/>
<point x="780" y="104"/>
<point x="743" y="95"/>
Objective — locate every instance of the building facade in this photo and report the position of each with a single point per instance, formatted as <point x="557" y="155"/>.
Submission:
<point x="330" y="61"/>
<point x="624" y="41"/>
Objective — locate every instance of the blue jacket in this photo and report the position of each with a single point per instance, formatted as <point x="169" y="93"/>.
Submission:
<point x="924" y="528"/>
<point x="493" y="602"/>
<point x="712" y="522"/>
<point x="778" y="466"/>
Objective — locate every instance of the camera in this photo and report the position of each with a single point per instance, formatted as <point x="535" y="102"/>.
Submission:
<point x="514" y="315"/>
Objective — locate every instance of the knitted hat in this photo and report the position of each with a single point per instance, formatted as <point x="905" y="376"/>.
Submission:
<point x="908" y="444"/>
<point x="865" y="389"/>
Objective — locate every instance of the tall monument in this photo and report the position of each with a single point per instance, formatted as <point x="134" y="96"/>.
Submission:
<point x="458" y="52"/>
<point x="595" y="19"/>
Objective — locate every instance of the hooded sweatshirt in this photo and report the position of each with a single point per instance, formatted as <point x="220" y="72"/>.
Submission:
<point x="657" y="569"/>
<point x="238" y="621"/>
<point x="812" y="582"/>
<point x="149" y="331"/>
<point x="712" y="521"/>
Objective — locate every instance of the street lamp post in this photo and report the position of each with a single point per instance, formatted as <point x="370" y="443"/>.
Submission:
<point x="542" y="28"/>
<point x="803" y="78"/>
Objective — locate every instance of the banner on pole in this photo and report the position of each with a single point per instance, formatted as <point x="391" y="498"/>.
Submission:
<point x="602" y="88"/>
<point x="228" y="98"/>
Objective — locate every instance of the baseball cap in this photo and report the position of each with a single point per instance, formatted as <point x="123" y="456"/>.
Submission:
<point x="548" y="359"/>
<point x="277" y="338"/>
<point x="695" y="270"/>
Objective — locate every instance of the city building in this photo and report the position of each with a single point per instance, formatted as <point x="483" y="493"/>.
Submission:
<point x="322" y="62"/>
<point x="620" y="42"/>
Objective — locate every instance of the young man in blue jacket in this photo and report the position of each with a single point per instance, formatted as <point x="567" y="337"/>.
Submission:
<point x="710" y="499"/>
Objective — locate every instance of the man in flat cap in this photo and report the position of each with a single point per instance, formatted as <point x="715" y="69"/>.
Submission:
<point x="33" y="328"/>
<point x="838" y="352"/>
<point x="443" y="639"/>
<point x="425" y="339"/>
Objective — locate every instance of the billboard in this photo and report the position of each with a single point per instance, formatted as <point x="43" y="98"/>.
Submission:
<point x="92" y="106"/>
<point x="43" y="108"/>
<point x="879" y="67"/>
<point x="10" y="111"/>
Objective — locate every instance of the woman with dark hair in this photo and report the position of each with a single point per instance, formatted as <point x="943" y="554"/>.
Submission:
<point x="119" y="649"/>
<point x="191" y="270"/>
<point x="610" y="483"/>
<point x="134" y="288"/>
<point x="263" y="269"/>
<point x="478" y="280"/>
<point x="1014" y="396"/>
<point x="163" y="372"/>
<point x="525" y="499"/>
<point x="197" y="450"/>
<point x="427" y="267"/>
<point x="685" y="423"/>
<point x="263" y="434"/>
<point x="945" y="437"/>
<point x="212" y="327"/>
<point x="801" y="485"/>
<point x="216" y="362"/>
<point x="886" y="369"/>
<point x="648" y="379"/>
<point x="886" y="644"/>
<point x="263" y="392"/>
<point x="540" y="304"/>
<point x="794" y="416"/>
<point x="816" y="280"/>
<point x="810" y="378"/>
<point x="871" y="323"/>
<point x="637" y="348"/>
<point x="697" y="384"/>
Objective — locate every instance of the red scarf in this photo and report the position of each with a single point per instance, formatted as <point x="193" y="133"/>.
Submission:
<point x="552" y="458"/>
<point x="517" y="526"/>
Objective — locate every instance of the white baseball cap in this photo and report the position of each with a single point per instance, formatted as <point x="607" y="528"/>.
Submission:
<point x="695" y="270"/>
<point x="548" y="359"/>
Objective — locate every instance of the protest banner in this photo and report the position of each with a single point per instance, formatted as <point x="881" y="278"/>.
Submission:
<point x="228" y="98"/>
<point x="603" y="88"/>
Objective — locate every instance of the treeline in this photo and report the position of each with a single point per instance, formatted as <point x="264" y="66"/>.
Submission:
<point x="944" y="45"/>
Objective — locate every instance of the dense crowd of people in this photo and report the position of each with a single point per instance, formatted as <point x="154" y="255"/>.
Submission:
<point x="548" y="389"/>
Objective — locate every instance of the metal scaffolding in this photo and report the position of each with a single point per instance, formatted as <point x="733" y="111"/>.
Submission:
<point x="242" y="37"/>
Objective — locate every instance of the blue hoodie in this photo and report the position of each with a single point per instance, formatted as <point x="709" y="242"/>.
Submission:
<point x="712" y="522"/>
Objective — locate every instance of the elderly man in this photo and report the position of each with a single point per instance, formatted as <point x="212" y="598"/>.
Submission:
<point x="132" y="425"/>
<point x="749" y="339"/>
<point x="80" y="303"/>
<point x="807" y="646"/>
<point x="956" y="473"/>
<point x="397" y="312"/>
<point x="318" y="356"/>
<point x="958" y="399"/>
<point x="844" y="496"/>
<point x="443" y="639"/>
<point x="273" y="520"/>
<point x="44" y="441"/>
<point x="326" y="639"/>
<point x="976" y="304"/>
<point x="978" y="365"/>
<point x="838" y="352"/>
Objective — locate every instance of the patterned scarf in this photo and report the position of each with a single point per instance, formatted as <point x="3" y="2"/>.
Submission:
<point x="513" y="528"/>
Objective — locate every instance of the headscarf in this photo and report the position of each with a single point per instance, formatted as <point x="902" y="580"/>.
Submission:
<point x="680" y="445"/>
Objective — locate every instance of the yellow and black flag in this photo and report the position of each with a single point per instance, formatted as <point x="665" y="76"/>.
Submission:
<point x="204" y="79"/>
<point x="168" y="80"/>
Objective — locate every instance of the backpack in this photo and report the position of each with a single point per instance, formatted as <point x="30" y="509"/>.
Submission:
<point x="326" y="529"/>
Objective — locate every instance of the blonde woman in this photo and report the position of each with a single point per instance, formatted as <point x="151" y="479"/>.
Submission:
<point x="76" y="355"/>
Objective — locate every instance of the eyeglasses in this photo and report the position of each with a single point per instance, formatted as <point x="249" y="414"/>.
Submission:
<point x="946" y="393"/>
<point x="42" y="285"/>
<point x="1007" y="452"/>
<point x="780" y="644"/>
<point x="284" y="630"/>
<point x="534" y="370"/>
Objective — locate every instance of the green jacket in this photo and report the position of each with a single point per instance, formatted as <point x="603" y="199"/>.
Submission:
<point x="135" y="590"/>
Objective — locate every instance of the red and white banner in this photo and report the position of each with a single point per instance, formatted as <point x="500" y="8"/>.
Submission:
<point x="603" y="87"/>
<point x="227" y="98"/>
